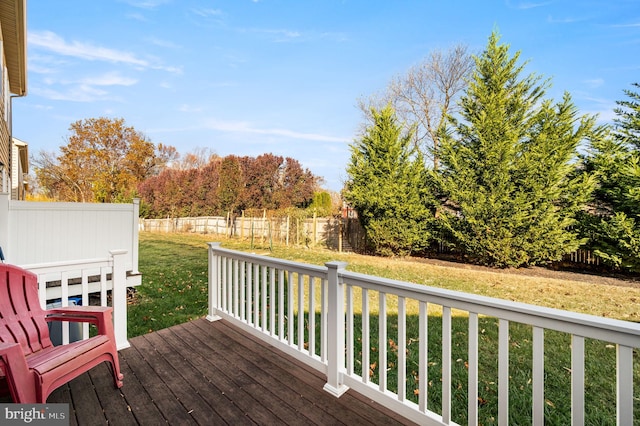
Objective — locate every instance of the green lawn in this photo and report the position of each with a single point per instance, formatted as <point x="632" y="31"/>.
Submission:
<point x="174" y="290"/>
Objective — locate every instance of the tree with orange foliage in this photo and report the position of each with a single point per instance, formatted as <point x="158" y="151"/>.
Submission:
<point x="103" y="161"/>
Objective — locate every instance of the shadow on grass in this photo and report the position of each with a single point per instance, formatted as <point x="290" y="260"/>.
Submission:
<point x="600" y="369"/>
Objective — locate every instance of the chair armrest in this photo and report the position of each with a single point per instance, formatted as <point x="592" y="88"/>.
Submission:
<point x="9" y="349"/>
<point x="101" y="316"/>
<point x="19" y="377"/>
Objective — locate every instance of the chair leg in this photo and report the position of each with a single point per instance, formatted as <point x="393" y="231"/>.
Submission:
<point x="115" y="369"/>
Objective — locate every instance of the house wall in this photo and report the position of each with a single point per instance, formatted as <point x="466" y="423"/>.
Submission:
<point x="19" y="161"/>
<point x="5" y="157"/>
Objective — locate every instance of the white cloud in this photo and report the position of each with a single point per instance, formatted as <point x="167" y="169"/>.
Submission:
<point x="50" y="41"/>
<point x="146" y="4"/>
<point x="54" y="43"/>
<point x="207" y="13"/>
<point x="136" y="17"/>
<point x="601" y="107"/>
<point x="108" y="79"/>
<point x="164" y="43"/>
<point x="633" y="25"/>
<point x="88" y="89"/>
<point x="189" y="108"/>
<point x="567" y="20"/>
<point x="526" y="5"/>
<point x="79" y="93"/>
<point x="245" y="127"/>
<point x="594" y="82"/>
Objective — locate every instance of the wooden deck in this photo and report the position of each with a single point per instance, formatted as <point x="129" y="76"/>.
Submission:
<point x="212" y="374"/>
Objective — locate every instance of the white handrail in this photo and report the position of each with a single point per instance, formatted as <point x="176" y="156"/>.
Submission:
<point x="73" y="277"/>
<point x="261" y="311"/>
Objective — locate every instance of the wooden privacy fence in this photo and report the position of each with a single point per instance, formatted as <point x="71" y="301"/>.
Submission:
<point x="336" y="233"/>
<point x="284" y="230"/>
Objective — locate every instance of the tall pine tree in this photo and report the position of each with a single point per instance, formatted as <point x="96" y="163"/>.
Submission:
<point x="386" y="187"/>
<point x="509" y="166"/>
<point x="613" y="231"/>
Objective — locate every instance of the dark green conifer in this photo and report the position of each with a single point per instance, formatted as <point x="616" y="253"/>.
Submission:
<point x="387" y="187"/>
<point x="508" y="166"/>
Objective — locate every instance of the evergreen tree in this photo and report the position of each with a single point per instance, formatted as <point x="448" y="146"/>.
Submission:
<point x="613" y="228"/>
<point x="509" y="166"/>
<point x="627" y="122"/>
<point x="386" y="187"/>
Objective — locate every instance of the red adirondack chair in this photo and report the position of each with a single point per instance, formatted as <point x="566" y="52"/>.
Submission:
<point x="30" y="366"/>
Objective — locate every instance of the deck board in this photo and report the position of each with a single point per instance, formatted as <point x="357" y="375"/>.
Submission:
<point x="210" y="373"/>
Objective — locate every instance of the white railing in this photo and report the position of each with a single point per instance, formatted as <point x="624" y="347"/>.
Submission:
<point x="331" y="319"/>
<point x="94" y="281"/>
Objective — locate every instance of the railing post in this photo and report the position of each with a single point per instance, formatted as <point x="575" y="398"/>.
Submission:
<point x="119" y="297"/>
<point x="214" y="282"/>
<point x="335" y="330"/>
<point x="135" y="234"/>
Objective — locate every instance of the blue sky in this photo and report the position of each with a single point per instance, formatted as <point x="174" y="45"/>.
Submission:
<point x="248" y="77"/>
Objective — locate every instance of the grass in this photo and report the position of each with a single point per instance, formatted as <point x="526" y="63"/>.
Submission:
<point x="174" y="290"/>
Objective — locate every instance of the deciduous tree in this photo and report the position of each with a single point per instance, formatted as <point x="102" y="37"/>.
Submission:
<point x="228" y="184"/>
<point x="426" y="93"/>
<point x="103" y="161"/>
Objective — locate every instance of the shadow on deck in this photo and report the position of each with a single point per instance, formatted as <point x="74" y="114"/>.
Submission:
<point x="212" y="374"/>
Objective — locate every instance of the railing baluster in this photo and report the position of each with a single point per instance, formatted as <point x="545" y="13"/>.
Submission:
<point x="423" y="378"/>
<point x="64" y="282"/>
<point x="229" y="282"/>
<point x="236" y="291"/>
<point x="243" y="291"/>
<point x="503" y="372"/>
<point x="446" y="364"/>
<point x="272" y="301"/>
<point x="256" y="295"/>
<point x="624" y="385"/>
<point x="300" y="311"/>
<point x="263" y="297"/>
<point x="402" y="349"/>
<point x="223" y="284"/>
<point x="324" y="308"/>
<point x="382" y="341"/>
<point x="538" y="376"/>
<point x="103" y="286"/>
<point x="472" y="398"/>
<point x="349" y="330"/>
<point x="85" y="299"/>
<point x="281" y="313"/>
<point x="366" y="346"/>
<point x="312" y="316"/>
<point x="290" y="319"/>
<point x="577" y="380"/>
<point x="42" y="290"/>
<point x="249" y="295"/>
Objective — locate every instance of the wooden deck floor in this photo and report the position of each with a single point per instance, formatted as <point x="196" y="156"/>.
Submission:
<point x="212" y="374"/>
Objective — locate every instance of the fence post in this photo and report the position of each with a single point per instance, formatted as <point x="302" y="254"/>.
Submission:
<point x="335" y="330"/>
<point x="119" y="297"/>
<point x="214" y="282"/>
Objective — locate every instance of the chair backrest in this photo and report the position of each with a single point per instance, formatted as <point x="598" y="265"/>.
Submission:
<point x="22" y="319"/>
